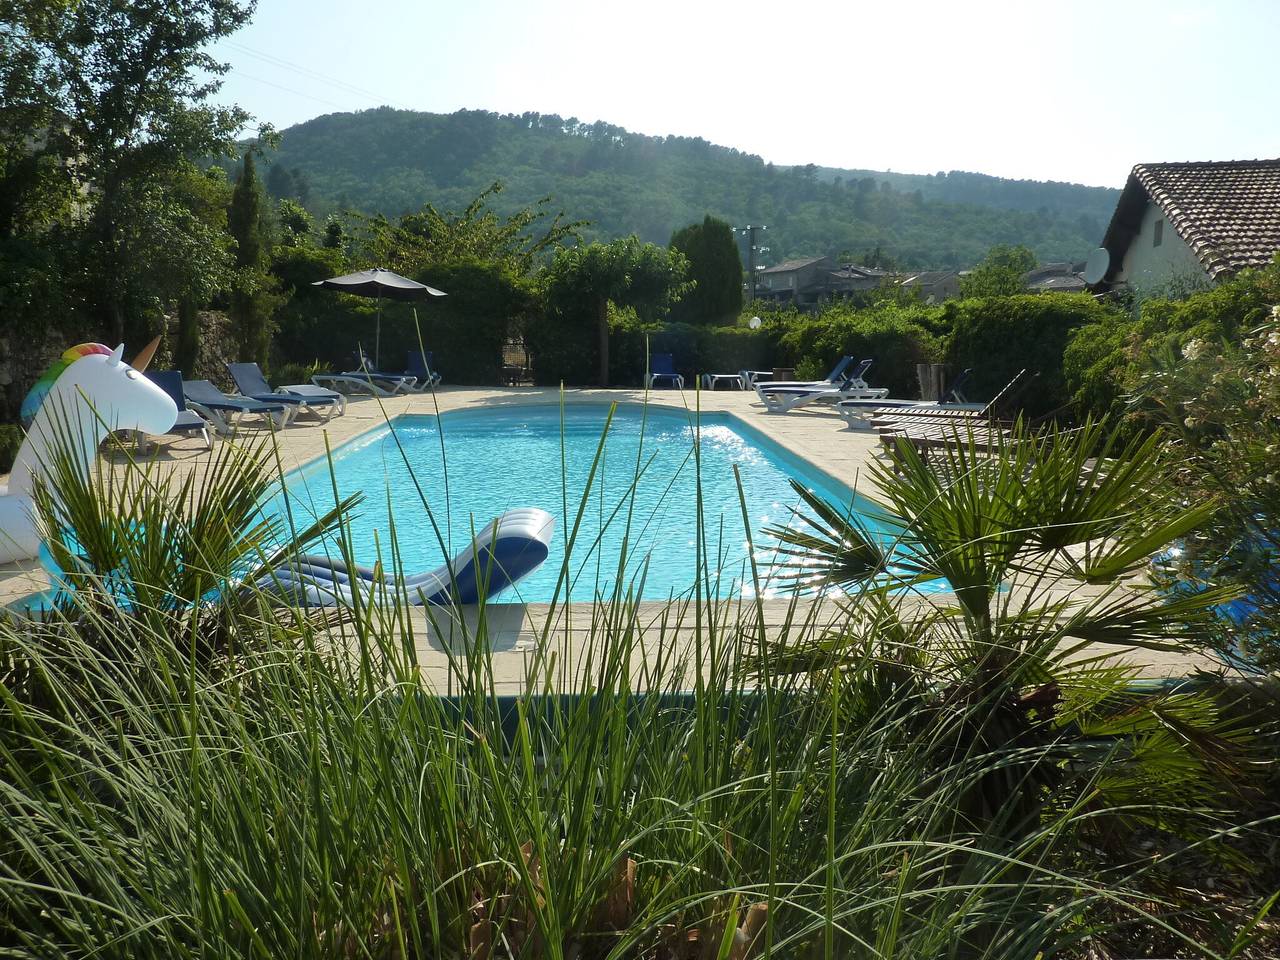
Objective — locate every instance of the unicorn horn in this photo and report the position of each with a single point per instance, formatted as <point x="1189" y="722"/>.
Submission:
<point x="144" y="356"/>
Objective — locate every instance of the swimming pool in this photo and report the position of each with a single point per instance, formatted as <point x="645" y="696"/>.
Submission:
<point x="472" y="465"/>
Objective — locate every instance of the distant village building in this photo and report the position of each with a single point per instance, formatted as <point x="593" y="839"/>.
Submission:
<point x="1193" y="222"/>
<point x="811" y="282"/>
<point x="934" y="286"/>
<point x="1055" y="278"/>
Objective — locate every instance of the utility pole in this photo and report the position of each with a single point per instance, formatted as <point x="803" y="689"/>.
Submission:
<point x="749" y="231"/>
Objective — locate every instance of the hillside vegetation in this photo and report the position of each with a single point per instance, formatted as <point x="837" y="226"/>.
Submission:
<point x="393" y="161"/>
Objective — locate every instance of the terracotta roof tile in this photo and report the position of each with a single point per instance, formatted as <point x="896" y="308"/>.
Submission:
<point x="1228" y="212"/>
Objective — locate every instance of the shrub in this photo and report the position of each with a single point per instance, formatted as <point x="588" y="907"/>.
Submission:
<point x="998" y="336"/>
<point x="1105" y="358"/>
<point x="1096" y="366"/>
<point x="466" y="329"/>
<point x="889" y="334"/>
<point x="1222" y="404"/>
<point x="10" y="441"/>
<point x="289" y="373"/>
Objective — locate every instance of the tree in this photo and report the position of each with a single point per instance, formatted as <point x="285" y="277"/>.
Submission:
<point x="477" y="233"/>
<point x="118" y="92"/>
<point x="582" y="281"/>
<point x="252" y="300"/>
<point x="715" y="267"/>
<point x="183" y="252"/>
<point x="296" y="223"/>
<point x="1000" y="272"/>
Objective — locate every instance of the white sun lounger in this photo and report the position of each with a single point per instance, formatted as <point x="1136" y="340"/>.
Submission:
<point x="358" y="382"/>
<point x="836" y="377"/>
<point x="778" y="398"/>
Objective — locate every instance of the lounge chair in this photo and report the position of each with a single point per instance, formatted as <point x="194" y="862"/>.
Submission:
<point x="358" y="382"/>
<point x="859" y="413"/>
<point x="304" y="396"/>
<point x="836" y="377"/>
<point x="189" y="422"/>
<point x="507" y="549"/>
<point x="888" y="420"/>
<point x="939" y="427"/>
<point x="397" y="381"/>
<point x="662" y="367"/>
<point x="781" y="399"/>
<point x="225" y="412"/>
<point x="422" y="366"/>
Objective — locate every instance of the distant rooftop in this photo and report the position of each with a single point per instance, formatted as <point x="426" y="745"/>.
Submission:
<point x="787" y="266"/>
<point x="1227" y="212"/>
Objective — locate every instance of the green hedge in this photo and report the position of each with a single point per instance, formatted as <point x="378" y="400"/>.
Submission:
<point x="891" y="335"/>
<point x="694" y="348"/>
<point x="10" y="441"/>
<point x="998" y="336"/>
<point x="561" y="352"/>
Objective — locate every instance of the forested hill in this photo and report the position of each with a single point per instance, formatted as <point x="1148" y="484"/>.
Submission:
<point x="394" y="161"/>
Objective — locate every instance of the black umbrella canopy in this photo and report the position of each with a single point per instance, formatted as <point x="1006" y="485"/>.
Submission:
<point x="380" y="283"/>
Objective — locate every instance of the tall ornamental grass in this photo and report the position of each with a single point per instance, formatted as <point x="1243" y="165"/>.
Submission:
<point x="690" y="785"/>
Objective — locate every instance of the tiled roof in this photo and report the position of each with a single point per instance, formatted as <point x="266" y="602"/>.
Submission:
<point x="789" y="265"/>
<point x="1228" y="212"/>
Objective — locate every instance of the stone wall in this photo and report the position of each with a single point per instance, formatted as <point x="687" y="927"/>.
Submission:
<point x="24" y="356"/>
<point x="217" y="347"/>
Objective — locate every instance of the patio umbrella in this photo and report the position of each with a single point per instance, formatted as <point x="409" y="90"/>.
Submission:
<point x="379" y="283"/>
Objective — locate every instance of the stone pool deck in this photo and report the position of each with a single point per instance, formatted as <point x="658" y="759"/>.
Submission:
<point x="818" y="436"/>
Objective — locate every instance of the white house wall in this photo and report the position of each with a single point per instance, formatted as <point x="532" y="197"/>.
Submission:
<point x="1150" y="267"/>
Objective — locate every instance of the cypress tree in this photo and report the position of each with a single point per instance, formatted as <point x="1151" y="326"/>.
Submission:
<point x="251" y="301"/>
<point x="715" y="266"/>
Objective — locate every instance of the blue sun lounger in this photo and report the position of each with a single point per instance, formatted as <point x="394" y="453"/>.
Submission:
<point x="422" y="366"/>
<point x="225" y="412"/>
<point x="304" y="396"/>
<point x="189" y="422"/>
<point x="509" y="548"/>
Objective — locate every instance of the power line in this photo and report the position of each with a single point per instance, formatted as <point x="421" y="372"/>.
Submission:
<point x="297" y="68"/>
<point x="280" y="86"/>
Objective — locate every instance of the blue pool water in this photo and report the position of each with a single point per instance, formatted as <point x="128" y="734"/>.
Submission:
<point x="500" y="458"/>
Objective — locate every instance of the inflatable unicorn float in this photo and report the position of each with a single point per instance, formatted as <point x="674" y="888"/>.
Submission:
<point x="90" y="391"/>
<point x="85" y="394"/>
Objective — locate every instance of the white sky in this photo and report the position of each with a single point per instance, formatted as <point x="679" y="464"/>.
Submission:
<point x="1076" y="91"/>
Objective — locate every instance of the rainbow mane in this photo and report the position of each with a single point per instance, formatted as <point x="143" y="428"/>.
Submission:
<point x="36" y="395"/>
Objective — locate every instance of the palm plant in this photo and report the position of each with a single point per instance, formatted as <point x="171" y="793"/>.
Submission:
<point x="1042" y="546"/>
<point x="170" y="547"/>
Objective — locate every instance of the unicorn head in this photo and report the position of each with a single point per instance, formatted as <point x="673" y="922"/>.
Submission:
<point x="85" y="394"/>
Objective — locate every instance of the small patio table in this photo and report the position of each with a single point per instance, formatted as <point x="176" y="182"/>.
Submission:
<point x="711" y="380"/>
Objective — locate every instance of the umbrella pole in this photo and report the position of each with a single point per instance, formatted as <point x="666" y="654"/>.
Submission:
<point x="377" y="336"/>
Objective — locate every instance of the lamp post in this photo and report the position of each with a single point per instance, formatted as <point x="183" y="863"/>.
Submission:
<point x="749" y="231"/>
